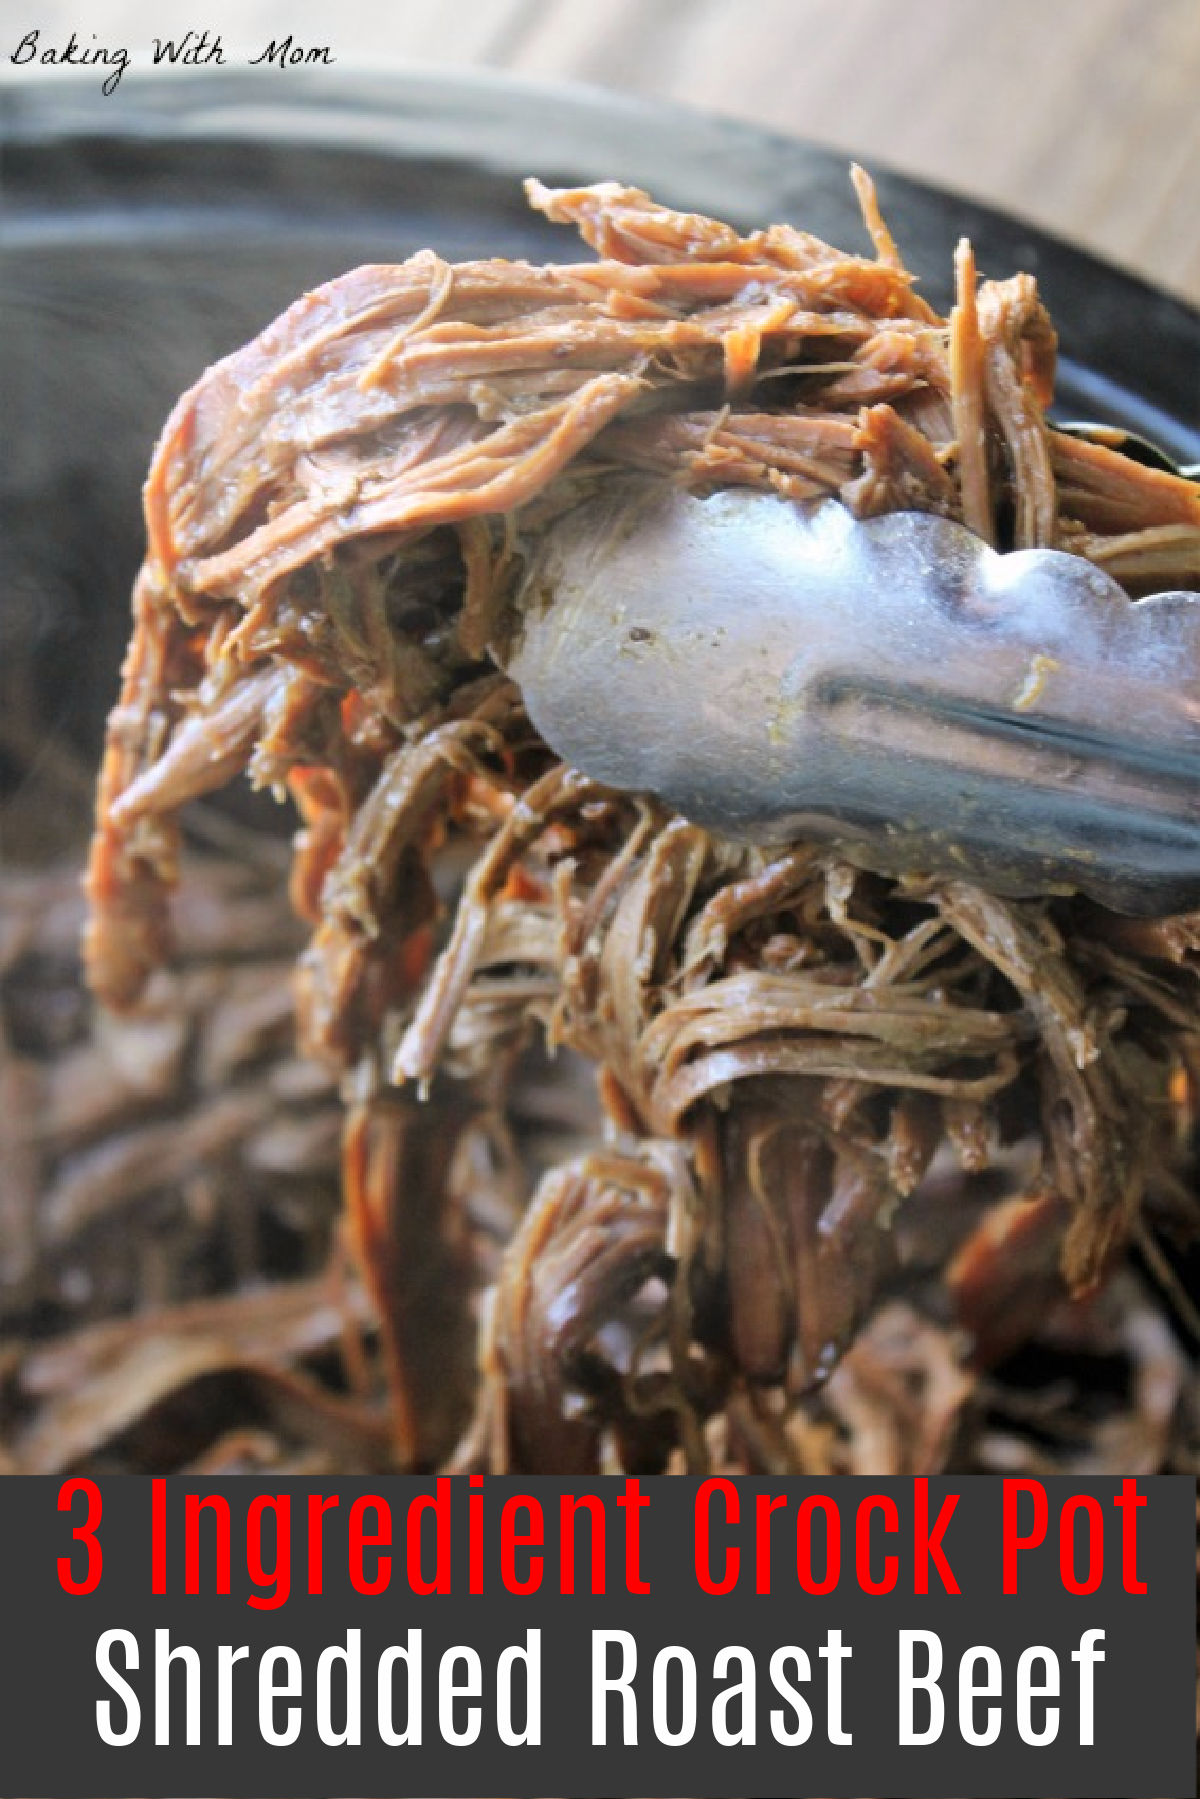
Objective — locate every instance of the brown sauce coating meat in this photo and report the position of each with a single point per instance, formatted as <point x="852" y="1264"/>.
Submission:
<point x="785" y="1044"/>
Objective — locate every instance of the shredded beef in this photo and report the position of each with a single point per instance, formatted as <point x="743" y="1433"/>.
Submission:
<point x="786" y="1046"/>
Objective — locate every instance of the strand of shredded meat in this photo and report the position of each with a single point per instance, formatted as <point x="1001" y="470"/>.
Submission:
<point x="336" y="515"/>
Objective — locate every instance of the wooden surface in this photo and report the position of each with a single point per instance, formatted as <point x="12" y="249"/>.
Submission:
<point x="1082" y="115"/>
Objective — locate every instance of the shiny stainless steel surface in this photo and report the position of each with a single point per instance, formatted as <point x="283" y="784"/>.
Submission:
<point x="776" y="671"/>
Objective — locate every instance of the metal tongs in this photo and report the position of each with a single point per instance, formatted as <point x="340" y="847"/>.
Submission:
<point x="775" y="671"/>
